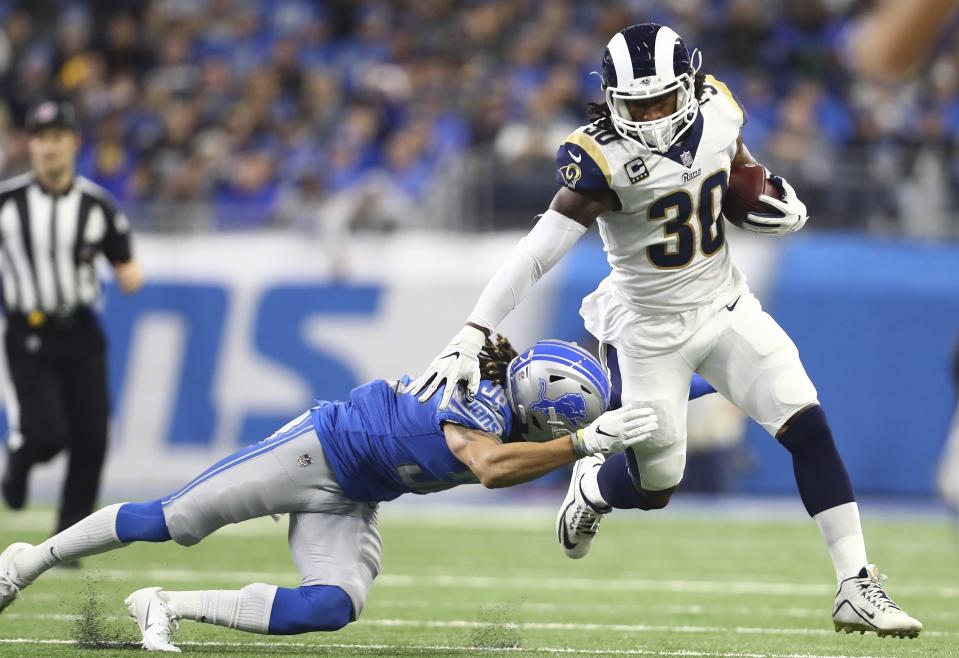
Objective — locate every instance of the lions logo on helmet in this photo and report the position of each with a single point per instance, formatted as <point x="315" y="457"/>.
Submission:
<point x="642" y="62"/>
<point x="556" y="388"/>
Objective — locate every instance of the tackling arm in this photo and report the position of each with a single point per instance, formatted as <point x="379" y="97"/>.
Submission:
<point x="498" y="464"/>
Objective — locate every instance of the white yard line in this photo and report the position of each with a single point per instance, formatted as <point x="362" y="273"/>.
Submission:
<point x="555" y="626"/>
<point x="580" y="608"/>
<point x="730" y="587"/>
<point x="460" y="649"/>
<point x="619" y="628"/>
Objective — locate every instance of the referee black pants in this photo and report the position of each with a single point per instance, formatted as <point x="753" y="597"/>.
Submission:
<point x="59" y="374"/>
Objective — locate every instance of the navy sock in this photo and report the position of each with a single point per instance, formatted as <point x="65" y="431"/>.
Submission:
<point x="820" y="473"/>
<point x="616" y="483"/>
<point x="142" y="522"/>
<point x="310" y="608"/>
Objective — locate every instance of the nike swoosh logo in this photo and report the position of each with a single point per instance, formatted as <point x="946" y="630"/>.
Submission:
<point x="732" y="307"/>
<point x="599" y="430"/>
<point x="576" y="158"/>
<point x="859" y="612"/>
<point x="146" y="617"/>
<point x="563" y="537"/>
<point x="54" y="554"/>
<point x="451" y="354"/>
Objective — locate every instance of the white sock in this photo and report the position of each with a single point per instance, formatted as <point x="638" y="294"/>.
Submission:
<point x="843" y="534"/>
<point x="247" y="609"/>
<point x="95" y="534"/>
<point x="590" y="486"/>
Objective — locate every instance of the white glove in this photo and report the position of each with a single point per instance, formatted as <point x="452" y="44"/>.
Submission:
<point x="458" y="362"/>
<point x="615" y="431"/>
<point x="789" y="213"/>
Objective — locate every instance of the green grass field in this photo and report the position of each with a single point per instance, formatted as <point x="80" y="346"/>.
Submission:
<point x="494" y="583"/>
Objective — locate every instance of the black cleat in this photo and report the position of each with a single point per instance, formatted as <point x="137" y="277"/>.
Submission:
<point x="14" y="488"/>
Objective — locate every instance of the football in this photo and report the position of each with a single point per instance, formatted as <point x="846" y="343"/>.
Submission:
<point x="746" y="184"/>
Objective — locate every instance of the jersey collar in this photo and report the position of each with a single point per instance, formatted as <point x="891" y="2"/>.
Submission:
<point x="689" y="142"/>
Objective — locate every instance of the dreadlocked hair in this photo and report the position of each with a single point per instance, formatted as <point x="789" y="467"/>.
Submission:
<point x="495" y="357"/>
<point x="600" y="114"/>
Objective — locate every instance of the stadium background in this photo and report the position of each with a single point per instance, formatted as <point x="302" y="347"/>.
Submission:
<point x="321" y="189"/>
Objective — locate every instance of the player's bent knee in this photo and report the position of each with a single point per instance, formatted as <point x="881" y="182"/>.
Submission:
<point x="657" y="499"/>
<point x="310" y="608"/>
<point x="778" y="396"/>
<point x="660" y="472"/>
<point x="793" y="388"/>
<point x="809" y="421"/>
<point x="142" y="522"/>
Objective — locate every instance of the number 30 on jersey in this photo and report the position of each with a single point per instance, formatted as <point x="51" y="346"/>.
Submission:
<point x="678" y="209"/>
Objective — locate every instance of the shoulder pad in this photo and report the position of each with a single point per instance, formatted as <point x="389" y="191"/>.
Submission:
<point x="719" y="93"/>
<point x="488" y="411"/>
<point x="581" y="164"/>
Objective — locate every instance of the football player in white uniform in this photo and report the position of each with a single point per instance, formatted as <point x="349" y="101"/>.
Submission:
<point x="651" y="169"/>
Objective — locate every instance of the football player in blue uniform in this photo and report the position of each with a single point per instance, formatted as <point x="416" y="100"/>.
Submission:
<point x="651" y="169"/>
<point x="330" y="468"/>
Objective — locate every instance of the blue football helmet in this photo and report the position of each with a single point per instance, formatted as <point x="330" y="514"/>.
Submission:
<point x="644" y="61"/>
<point x="555" y="388"/>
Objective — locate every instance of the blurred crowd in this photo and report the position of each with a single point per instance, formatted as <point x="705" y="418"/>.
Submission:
<point x="249" y="113"/>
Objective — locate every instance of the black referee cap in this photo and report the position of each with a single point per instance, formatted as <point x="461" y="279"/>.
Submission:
<point x="51" y="114"/>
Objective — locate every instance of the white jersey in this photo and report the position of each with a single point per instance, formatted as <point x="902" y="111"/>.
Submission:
<point x="666" y="244"/>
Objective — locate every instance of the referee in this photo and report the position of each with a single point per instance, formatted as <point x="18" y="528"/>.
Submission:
<point x="53" y="224"/>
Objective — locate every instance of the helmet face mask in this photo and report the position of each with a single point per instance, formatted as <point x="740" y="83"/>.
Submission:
<point x="643" y="62"/>
<point x="555" y="388"/>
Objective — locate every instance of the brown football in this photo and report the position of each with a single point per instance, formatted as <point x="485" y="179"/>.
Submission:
<point x="746" y="183"/>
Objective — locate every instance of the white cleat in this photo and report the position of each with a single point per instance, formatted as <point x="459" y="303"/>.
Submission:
<point x="862" y="605"/>
<point x="10" y="584"/>
<point x="153" y="616"/>
<point x="578" y="521"/>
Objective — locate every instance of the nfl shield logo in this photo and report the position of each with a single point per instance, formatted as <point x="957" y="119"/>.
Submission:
<point x="687" y="159"/>
<point x="304" y="460"/>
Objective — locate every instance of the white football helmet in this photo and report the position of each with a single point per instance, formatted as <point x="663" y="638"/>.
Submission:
<point x="642" y="62"/>
<point x="555" y="388"/>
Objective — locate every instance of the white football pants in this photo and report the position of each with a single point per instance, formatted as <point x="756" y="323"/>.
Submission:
<point x="737" y="347"/>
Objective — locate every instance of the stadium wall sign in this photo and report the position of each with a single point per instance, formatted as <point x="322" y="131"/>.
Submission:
<point x="234" y="335"/>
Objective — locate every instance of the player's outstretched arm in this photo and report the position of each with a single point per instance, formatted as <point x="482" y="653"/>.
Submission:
<point x="896" y="37"/>
<point x="787" y="215"/>
<point x="498" y="464"/>
<point x="557" y="230"/>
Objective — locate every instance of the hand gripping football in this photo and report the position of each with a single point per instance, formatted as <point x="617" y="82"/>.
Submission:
<point x="746" y="184"/>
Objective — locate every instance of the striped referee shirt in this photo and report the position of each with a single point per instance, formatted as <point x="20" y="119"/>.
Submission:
<point x="49" y="243"/>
